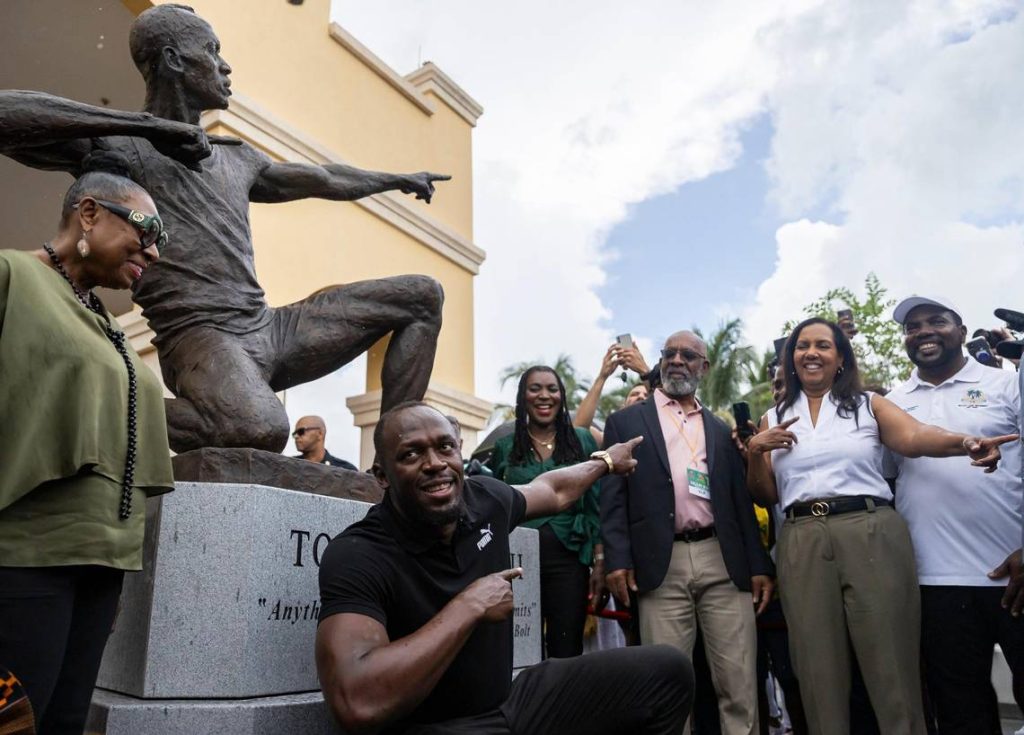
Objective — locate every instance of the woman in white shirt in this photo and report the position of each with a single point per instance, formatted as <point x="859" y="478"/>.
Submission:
<point x="845" y="561"/>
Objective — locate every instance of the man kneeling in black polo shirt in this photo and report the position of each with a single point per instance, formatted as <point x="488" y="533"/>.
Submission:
<point x="415" y="630"/>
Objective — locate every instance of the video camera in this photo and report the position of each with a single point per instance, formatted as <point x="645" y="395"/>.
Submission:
<point x="1011" y="348"/>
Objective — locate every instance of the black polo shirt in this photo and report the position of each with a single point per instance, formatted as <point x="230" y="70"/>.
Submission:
<point x="380" y="568"/>
<point x="330" y="459"/>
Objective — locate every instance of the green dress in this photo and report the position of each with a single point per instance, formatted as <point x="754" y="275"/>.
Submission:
<point x="64" y="433"/>
<point x="579" y="527"/>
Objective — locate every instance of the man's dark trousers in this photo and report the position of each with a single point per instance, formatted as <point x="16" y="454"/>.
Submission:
<point x="959" y="628"/>
<point x="641" y="690"/>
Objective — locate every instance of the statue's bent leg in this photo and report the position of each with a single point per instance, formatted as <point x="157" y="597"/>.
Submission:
<point x="334" y="326"/>
<point x="222" y="394"/>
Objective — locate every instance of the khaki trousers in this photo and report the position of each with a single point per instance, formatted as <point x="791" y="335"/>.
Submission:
<point x="697" y="589"/>
<point x="845" y="579"/>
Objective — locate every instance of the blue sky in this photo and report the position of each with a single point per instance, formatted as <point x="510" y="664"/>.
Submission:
<point x="711" y="241"/>
<point x="747" y="156"/>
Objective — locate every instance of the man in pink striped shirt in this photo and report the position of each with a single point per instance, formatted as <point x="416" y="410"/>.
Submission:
<point x="681" y="532"/>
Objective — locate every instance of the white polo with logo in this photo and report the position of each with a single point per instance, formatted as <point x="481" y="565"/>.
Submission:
<point x="963" y="522"/>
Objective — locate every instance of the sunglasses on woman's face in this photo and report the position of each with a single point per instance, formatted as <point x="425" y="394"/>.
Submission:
<point x="150" y="226"/>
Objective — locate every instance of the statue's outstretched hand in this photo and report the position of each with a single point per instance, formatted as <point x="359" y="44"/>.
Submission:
<point x="421" y="184"/>
<point x="185" y="143"/>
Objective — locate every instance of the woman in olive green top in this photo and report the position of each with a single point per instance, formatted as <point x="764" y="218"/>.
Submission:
<point x="544" y="438"/>
<point x="83" y="441"/>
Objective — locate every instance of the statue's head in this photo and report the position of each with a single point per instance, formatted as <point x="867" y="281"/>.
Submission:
<point x="172" y="46"/>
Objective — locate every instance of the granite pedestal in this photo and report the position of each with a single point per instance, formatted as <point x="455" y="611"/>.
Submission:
<point x="226" y="612"/>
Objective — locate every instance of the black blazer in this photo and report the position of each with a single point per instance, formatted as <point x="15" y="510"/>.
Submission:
<point x="638" y="510"/>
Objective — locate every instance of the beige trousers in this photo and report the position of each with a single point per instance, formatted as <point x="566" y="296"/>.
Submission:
<point x="697" y="589"/>
<point x="845" y="579"/>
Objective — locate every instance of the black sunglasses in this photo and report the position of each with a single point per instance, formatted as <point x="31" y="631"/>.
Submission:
<point x="304" y="429"/>
<point x="687" y="355"/>
<point x="150" y="226"/>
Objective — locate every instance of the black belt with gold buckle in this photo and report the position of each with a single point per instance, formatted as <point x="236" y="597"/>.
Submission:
<point x="835" y="506"/>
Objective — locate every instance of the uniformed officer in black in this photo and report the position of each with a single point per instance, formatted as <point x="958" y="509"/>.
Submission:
<point x="415" y="631"/>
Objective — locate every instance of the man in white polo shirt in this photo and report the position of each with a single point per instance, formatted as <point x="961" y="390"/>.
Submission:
<point x="962" y="522"/>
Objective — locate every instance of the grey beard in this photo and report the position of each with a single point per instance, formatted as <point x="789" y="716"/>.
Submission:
<point x="679" y="387"/>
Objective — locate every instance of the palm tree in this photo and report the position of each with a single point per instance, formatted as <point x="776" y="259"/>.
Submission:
<point x="758" y="379"/>
<point x="729" y="359"/>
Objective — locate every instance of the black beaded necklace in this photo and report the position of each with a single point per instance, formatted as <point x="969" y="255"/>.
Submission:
<point x="92" y="302"/>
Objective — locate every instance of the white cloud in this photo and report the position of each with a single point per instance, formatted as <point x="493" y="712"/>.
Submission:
<point x="899" y="135"/>
<point x="589" y="107"/>
<point x="804" y="250"/>
<point x="911" y="141"/>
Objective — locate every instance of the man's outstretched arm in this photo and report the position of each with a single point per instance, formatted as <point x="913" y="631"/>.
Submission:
<point x="285" y="182"/>
<point x="370" y="682"/>
<point x="45" y="131"/>
<point x="557" y="490"/>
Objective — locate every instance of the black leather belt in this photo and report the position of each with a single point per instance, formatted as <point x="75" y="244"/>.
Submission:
<point x="696" y="534"/>
<point x="835" y="506"/>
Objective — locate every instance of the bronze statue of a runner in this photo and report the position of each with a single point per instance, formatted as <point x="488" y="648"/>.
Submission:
<point x="223" y="350"/>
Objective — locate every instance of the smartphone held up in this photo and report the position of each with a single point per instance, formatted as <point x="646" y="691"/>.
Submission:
<point x="624" y="342"/>
<point x="741" y="414"/>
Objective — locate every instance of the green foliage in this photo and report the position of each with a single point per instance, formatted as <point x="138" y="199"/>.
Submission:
<point x="729" y="358"/>
<point x="758" y="381"/>
<point x="612" y="400"/>
<point x="879" y="341"/>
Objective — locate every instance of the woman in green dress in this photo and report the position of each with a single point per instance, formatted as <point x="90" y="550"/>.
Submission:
<point x="544" y="438"/>
<point x="83" y="441"/>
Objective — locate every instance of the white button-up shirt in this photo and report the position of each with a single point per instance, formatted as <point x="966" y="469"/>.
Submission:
<point x="963" y="522"/>
<point x="840" y="457"/>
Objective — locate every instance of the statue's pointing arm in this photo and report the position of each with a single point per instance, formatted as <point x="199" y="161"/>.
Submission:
<point x="45" y="131"/>
<point x="284" y="182"/>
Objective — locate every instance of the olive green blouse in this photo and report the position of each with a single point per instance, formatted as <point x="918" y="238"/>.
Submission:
<point x="64" y="432"/>
<point x="579" y="527"/>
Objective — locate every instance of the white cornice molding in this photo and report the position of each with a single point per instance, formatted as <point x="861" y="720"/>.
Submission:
<point x="249" y="121"/>
<point x="376" y="65"/>
<point x="430" y="78"/>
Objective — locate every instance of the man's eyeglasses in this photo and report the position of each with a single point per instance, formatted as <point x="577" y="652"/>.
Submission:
<point x="687" y="355"/>
<point x="150" y="226"/>
<point x="302" y="431"/>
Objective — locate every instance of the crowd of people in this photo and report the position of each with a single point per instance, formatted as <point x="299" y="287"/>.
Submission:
<point x="863" y="547"/>
<point x="893" y="524"/>
<point x="858" y="546"/>
<point x="875" y="534"/>
<point x="895" y="559"/>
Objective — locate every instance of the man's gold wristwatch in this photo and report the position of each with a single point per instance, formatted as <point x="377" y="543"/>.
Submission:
<point x="606" y="458"/>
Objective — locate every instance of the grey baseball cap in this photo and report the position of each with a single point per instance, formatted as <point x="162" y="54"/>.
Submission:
<point x="903" y="308"/>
